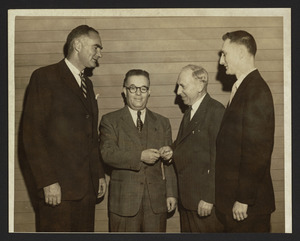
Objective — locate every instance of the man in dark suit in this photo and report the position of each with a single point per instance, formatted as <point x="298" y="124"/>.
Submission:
<point x="244" y="191"/>
<point x="142" y="188"/>
<point x="60" y="136"/>
<point x="195" y="150"/>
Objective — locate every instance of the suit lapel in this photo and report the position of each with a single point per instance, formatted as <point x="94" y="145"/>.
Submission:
<point x="71" y="82"/>
<point x="197" y="120"/>
<point x="129" y="126"/>
<point x="238" y="95"/>
<point x="151" y="125"/>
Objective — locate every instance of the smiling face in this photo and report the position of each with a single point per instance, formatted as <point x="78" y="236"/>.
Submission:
<point x="189" y="88"/>
<point x="137" y="100"/>
<point x="230" y="57"/>
<point x="89" y="50"/>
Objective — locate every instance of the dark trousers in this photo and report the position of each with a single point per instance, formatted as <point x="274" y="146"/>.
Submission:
<point x="69" y="216"/>
<point x="252" y="224"/>
<point x="144" y="221"/>
<point x="191" y="222"/>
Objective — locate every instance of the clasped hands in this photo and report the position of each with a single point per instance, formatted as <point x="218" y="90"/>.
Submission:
<point x="150" y="156"/>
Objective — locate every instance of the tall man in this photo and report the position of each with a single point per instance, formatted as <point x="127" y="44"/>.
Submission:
<point x="195" y="152"/>
<point x="244" y="191"/>
<point x="142" y="187"/>
<point x="61" y="139"/>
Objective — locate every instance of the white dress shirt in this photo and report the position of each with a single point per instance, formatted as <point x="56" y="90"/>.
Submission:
<point x="195" y="106"/>
<point x="74" y="71"/>
<point x="237" y="84"/>
<point x="134" y="115"/>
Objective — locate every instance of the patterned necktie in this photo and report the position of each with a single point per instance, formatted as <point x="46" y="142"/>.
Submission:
<point x="83" y="84"/>
<point x="139" y="123"/>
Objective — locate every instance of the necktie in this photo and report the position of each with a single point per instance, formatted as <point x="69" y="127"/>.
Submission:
<point x="187" y="116"/>
<point x="139" y="123"/>
<point x="83" y="84"/>
<point x="233" y="91"/>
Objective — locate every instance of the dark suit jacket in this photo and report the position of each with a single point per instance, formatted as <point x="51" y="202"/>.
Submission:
<point x="194" y="154"/>
<point x="244" y="148"/>
<point x="60" y="131"/>
<point x="121" y="148"/>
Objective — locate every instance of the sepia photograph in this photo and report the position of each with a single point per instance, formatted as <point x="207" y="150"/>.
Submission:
<point x="150" y="121"/>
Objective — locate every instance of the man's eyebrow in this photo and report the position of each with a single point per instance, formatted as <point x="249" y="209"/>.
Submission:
<point x="99" y="46"/>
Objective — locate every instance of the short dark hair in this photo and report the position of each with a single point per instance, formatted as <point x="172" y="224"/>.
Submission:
<point x="134" y="72"/>
<point x="243" y="38"/>
<point x="75" y="33"/>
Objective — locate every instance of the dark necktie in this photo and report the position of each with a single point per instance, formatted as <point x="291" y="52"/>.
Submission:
<point x="83" y="84"/>
<point x="139" y="123"/>
<point x="187" y="117"/>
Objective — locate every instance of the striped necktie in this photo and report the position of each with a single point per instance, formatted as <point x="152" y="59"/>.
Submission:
<point x="139" y="123"/>
<point x="83" y="85"/>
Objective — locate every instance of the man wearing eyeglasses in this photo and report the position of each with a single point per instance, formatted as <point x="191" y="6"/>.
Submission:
<point x="142" y="187"/>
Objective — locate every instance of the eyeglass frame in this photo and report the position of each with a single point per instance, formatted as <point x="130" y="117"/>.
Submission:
<point x="136" y="88"/>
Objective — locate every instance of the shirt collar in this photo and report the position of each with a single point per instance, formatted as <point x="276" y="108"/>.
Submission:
<point x="73" y="69"/>
<point x="196" y="105"/>
<point x="134" y="114"/>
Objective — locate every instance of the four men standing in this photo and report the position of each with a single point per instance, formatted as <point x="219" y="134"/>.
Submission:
<point x="222" y="165"/>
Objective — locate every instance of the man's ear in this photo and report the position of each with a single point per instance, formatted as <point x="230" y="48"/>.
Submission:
<point x="125" y="92"/>
<point x="77" y="45"/>
<point x="242" y="51"/>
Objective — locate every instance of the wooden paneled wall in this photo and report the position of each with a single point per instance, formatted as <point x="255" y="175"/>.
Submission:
<point x="162" y="46"/>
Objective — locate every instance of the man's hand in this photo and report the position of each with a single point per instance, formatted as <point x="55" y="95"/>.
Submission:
<point x="150" y="156"/>
<point x="166" y="153"/>
<point x="102" y="188"/>
<point x="239" y="211"/>
<point x="53" y="194"/>
<point x="171" y="203"/>
<point x="204" y="208"/>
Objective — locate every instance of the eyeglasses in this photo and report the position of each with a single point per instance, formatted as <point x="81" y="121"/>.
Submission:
<point x="133" y="89"/>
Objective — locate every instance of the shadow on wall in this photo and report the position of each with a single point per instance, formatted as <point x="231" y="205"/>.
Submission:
<point x="227" y="81"/>
<point x="178" y="101"/>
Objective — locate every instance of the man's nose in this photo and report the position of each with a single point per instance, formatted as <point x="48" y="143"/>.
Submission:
<point x="222" y="60"/>
<point x="99" y="54"/>
<point x="179" y="90"/>
<point x="138" y="91"/>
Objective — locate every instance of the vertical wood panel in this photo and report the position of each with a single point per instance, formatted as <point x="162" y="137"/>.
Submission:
<point x="162" y="46"/>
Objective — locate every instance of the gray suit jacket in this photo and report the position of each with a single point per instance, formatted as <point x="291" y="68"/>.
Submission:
<point x="121" y="148"/>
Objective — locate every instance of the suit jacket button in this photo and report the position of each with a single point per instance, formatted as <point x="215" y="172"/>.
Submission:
<point x="87" y="116"/>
